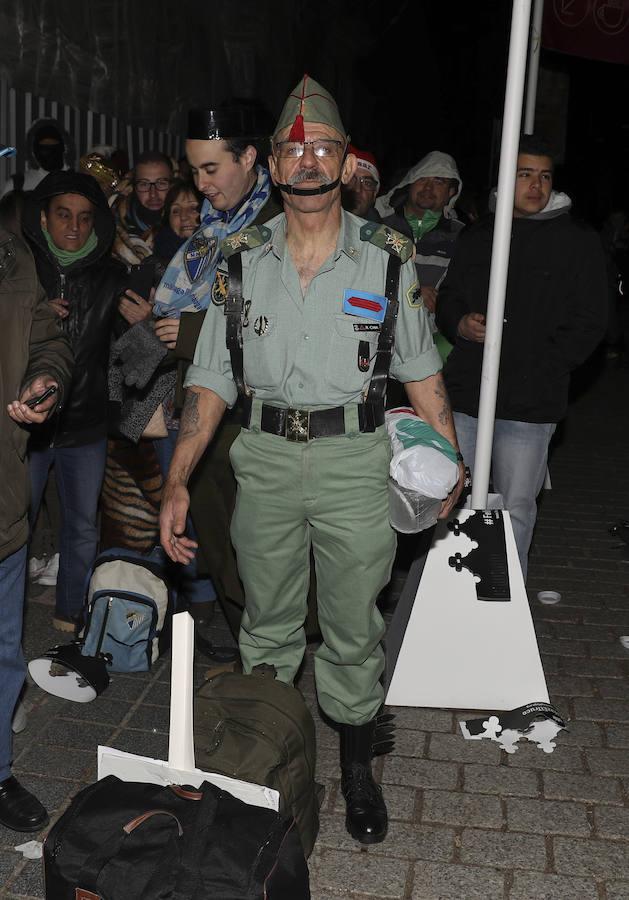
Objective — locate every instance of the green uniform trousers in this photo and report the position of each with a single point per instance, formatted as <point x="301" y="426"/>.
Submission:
<point x="331" y="494"/>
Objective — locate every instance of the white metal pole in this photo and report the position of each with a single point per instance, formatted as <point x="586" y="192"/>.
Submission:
<point x="533" y="73"/>
<point x="500" y="250"/>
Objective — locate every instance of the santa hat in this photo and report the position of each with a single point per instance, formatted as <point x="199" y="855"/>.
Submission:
<point x="366" y="161"/>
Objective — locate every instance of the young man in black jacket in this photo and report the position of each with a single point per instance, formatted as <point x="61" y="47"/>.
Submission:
<point x="555" y="315"/>
<point x="70" y="228"/>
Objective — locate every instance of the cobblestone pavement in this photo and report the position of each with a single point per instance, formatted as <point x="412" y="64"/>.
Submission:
<point x="467" y="821"/>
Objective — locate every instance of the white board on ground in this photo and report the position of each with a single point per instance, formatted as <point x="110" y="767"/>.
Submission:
<point x="459" y="652"/>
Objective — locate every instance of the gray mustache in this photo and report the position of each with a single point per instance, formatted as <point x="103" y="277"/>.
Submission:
<point x="308" y="175"/>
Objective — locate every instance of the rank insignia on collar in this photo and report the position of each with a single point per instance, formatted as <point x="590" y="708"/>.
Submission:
<point x="414" y="296"/>
<point x="238" y="240"/>
<point x="397" y="242"/>
<point x="220" y="288"/>
<point x="197" y="256"/>
<point x="365" y="304"/>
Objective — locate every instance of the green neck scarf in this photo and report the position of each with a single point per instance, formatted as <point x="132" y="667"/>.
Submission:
<point x="65" y="258"/>
<point x="422" y="226"/>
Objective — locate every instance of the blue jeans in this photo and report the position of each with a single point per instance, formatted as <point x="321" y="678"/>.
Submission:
<point x="519" y="458"/>
<point x="79" y="474"/>
<point x="12" y="666"/>
<point x="190" y="585"/>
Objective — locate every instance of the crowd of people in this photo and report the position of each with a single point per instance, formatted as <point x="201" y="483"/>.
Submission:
<point x="222" y="334"/>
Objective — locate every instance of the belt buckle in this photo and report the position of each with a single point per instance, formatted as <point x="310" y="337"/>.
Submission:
<point x="297" y="425"/>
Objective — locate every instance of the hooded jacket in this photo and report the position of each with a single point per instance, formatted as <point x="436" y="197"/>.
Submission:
<point x="34" y="173"/>
<point x="555" y="312"/>
<point x="434" y="250"/>
<point x="92" y="285"/>
<point x="31" y="344"/>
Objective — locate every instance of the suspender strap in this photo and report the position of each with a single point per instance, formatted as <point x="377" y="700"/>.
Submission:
<point x="233" y="311"/>
<point x="378" y="383"/>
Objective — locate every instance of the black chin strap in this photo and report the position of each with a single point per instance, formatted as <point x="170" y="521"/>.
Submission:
<point x="309" y="192"/>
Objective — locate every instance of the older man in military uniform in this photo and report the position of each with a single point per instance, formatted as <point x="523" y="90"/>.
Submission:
<point x="307" y="337"/>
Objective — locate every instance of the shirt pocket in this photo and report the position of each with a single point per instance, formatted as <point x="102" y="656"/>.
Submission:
<point x="261" y="353"/>
<point x="343" y="371"/>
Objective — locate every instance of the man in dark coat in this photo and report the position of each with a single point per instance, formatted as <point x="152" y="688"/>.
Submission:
<point x="555" y="314"/>
<point x="34" y="356"/>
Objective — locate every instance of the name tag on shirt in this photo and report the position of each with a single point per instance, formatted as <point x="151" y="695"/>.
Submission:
<point x="365" y="304"/>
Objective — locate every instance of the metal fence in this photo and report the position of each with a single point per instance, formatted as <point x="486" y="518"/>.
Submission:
<point x="19" y="109"/>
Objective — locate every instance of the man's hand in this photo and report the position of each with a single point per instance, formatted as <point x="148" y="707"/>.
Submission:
<point x="60" y="306"/>
<point x="472" y="327"/>
<point x="167" y="330"/>
<point x="448" y="504"/>
<point x="20" y="412"/>
<point x="134" y="308"/>
<point x="172" y="523"/>
<point x="429" y="296"/>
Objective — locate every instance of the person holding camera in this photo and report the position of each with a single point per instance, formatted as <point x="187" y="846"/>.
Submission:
<point x="70" y="229"/>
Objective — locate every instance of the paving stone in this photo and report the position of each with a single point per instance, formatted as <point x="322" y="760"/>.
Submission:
<point x="618" y="735"/>
<point x="602" y="710"/>
<point x="613" y="650"/>
<point x="124" y="687"/>
<point x="336" y="874"/>
<point x="143" y="743"/>
<point x="78" y="735"/>
<point x="617" y="890"/>
<point x="421" y="719"/>
<point x="581" y="787"/>
<point x="612" y="688"/>
<point x="503" y="850"/>
<point x="419" y="773"/>
<point x="603" y="668"/>
<point x="567" y="686"/>
<point x="103" y="711"/>
<point x="29" y="883"/>
<point x="433" y="881"/>
<point x="565" y="631"/>
<point x="454" y="747"/>
<point x="597" y="858"/>
<point x="499" y="780"/>
<point x="531" y="886"/>
<point x="150" y="718"/>
<point x="547" y="817"/>
<point x="608" y="762"/>
<point x="555" y="647"/>
<point x="529" y="756"/>
<point x="404" y="840"/>
<point x="409" y="743"/>
<point x="612" y="821"/>
<point x="453" y="808"/>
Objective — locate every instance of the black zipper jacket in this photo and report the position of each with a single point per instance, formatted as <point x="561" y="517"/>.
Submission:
<point x="555" y="312"/>
<point x="92" y="285"/>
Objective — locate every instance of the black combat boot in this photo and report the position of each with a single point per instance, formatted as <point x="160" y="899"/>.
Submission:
<point x="366" y="818"/>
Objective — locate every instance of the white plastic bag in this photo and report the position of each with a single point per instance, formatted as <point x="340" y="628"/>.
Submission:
<point x="423" y="471"/>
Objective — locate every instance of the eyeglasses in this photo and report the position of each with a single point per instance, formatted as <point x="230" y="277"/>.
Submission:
<point x="322" y="149"/>
<point x="370" y="184"/>
<point x="143" y="186"/>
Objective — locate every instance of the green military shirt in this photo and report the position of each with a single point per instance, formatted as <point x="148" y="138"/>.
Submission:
<point x="302" y="351"/>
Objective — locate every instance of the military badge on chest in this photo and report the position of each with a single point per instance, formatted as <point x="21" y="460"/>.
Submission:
<point x="198" y="255"/>
<point x="261" y="325"/>
<point x="220" y="288"/>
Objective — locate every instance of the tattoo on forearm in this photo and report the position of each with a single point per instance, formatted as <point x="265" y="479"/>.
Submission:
<point x="190" y="415"/>
<point x="445" y="413"/>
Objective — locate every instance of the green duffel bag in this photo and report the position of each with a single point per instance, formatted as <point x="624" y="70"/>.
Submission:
<point x="258" y="729"/>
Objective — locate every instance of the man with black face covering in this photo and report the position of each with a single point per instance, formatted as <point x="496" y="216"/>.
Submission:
<point x="49" y="149"/>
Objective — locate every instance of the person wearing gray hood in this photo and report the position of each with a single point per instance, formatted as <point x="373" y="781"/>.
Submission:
<point x="555" y="315"/>
<point x="421" y="206"/>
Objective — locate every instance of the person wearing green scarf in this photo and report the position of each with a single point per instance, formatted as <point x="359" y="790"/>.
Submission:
<point x="421" y="205"/>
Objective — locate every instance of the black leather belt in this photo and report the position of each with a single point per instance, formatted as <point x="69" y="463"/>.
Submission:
<point x="305" y="425"/>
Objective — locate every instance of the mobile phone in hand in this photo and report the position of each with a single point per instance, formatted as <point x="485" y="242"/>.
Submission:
<point x="35" y="401"/>
<point x="140" y="281"/>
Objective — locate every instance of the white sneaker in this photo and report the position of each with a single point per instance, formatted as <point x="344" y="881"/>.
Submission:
<point x="49" y="574"/>
<point x="36" y="566"/>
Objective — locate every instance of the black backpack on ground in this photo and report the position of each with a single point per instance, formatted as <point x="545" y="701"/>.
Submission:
<point x="258" y="729"/>
<point x="130" y="841"/>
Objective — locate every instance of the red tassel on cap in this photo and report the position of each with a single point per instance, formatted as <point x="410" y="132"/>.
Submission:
<point x="297" y="130"/>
